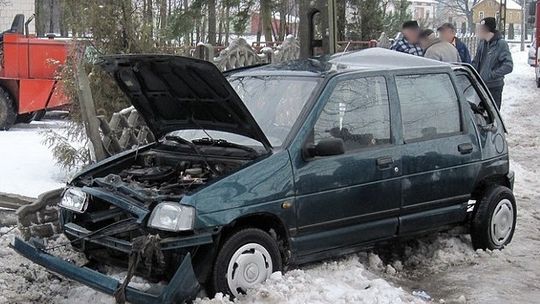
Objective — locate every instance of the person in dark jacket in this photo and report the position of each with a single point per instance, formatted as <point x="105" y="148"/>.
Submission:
<point x="447" y="32"/>
<point x="408" y="43"/>
<point x="493" y="59"/>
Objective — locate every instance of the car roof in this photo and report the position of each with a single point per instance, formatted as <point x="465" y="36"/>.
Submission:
<point x="372" y="59"/>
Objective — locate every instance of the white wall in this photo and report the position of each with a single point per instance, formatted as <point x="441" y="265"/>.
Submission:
<point x="8" y="12"/>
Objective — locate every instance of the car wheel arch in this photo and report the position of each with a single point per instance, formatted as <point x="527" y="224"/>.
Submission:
<point x="268" y="222"/>
<point x="489" y="181"/>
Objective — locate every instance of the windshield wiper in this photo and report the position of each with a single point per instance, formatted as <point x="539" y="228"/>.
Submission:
<point x="222" y="143"/>
<point x="192" y="145"/>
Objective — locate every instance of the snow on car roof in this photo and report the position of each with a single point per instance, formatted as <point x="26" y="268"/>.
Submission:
<point x="367" y="59"/>
<point x="379" y="58"/>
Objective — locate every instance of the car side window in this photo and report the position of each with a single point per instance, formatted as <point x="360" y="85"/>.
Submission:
<point x="476" y="102"/>
<point x="429" y="106"/>
<point x="358" y="112"/>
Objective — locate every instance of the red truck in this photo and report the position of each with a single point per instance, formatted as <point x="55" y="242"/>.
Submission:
<point x="28" y="74"/>
<point x="534" y="51"/>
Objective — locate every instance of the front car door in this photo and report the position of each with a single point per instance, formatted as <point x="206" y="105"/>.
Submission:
<point x="348" y="199"/>
<point x="440" y="148"/>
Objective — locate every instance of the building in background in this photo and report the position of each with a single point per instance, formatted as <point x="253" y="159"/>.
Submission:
<point x="491" y="8"/>
<point x="446" y="14"/>
<point x="424" y="11"/>
<point x="14" y="7"/>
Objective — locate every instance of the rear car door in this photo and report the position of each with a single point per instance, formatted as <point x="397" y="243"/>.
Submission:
<point x="439" y="152"/>
<point x="348" y="199"/>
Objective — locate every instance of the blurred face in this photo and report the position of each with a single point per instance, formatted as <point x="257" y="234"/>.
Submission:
<point x="447" y="34"/>
<point x="411" y="34"/>
<point x="483" y="33"/>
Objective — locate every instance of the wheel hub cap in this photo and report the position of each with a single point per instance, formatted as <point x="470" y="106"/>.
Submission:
<point x="502" y="222"/>
<point x="249" y="265"/>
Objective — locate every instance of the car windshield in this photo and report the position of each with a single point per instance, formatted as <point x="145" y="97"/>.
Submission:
<point x="274" y="101"/>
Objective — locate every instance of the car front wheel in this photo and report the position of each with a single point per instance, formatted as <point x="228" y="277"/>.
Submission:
<point x="246" y="258"/>
<point x="494" y="222"/>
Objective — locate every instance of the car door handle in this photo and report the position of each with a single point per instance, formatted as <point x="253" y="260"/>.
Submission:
<point x="465" y="148"/>
<point x="385" y="162"/>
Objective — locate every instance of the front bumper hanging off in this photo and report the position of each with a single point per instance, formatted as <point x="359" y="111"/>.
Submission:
<point x="182" y="287"/>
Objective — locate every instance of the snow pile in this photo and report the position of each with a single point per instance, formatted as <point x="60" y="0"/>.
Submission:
<point x="27" y="166"/>
<point x="342" y="281"/>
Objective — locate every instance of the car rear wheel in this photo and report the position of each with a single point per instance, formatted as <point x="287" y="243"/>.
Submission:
<point x="8" y="113"/>
<point x="494" y="221"/>
<point x="246" y="258"/>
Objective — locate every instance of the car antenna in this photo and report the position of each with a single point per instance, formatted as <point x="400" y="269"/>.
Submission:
<point x="343" y="52"/>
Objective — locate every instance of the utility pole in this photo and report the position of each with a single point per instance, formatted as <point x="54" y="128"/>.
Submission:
<point x="332" y="26"/>
<point x="502" y="17"/>
<point x="523" y="32"/>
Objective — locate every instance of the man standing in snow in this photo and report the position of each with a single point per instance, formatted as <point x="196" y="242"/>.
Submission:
<point x="447" y="32"/>
<point x="493" y="59"/>
<point x="437" y="49"/>
<point x="408" y="43"/>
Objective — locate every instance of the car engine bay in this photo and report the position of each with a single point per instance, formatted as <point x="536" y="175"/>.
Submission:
<point x="158" y="175"/>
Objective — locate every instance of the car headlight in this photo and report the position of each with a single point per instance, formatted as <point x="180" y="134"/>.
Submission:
<point x="172" y="216"/>
<point x="74" y="199"/>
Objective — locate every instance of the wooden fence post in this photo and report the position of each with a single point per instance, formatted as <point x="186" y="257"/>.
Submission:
<point x="88" y="111"/>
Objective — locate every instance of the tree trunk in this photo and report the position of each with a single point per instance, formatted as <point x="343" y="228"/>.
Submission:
<point x="283" y="19"/>
<point x="227" y="24"/>
<point x="163" y="14"/>
<point x="212" y="22"/>
<point x="266" y="19"/>
<point x="149" y="18"/>
<point x="341" y="20"/>
<point x="220" y="26"/>
<point x="88" y="111"/>
<point x="470" y="23"/>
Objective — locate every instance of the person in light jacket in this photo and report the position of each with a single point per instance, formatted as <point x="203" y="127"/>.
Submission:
<point x="437" y="49"/>
<point x="447" y="32"/>
<point x="493" y="59"/>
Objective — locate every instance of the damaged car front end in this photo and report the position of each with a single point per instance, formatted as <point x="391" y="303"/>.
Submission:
<point x="139" y="209"/>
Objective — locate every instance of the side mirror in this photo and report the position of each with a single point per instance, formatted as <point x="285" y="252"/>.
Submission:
<point x="326" y="147"/>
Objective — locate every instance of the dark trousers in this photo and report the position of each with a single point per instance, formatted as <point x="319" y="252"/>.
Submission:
<point x="496" y="92"/>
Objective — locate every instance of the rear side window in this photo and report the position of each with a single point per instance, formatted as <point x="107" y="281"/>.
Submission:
<point x="358" y="112"/>
<point x="429" y="106"/>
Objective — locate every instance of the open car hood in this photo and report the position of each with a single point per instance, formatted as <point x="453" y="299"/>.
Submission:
<point x="179" y="93"/>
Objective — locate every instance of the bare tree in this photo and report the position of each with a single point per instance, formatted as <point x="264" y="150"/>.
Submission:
<point x="462" y="7"/>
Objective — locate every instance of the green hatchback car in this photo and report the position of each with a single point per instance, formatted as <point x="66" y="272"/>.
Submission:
<point x="260" y="169"/>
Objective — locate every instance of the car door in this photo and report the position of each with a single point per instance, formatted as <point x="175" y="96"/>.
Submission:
<point x="439" y="152"/>
<point x="348" y="199"/>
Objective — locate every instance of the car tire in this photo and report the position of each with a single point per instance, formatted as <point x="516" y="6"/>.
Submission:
<point x="8" y="112"/>
<point x="538" y="82"/>
<point x="494" y="220"/>
<point x="247" y="257"/>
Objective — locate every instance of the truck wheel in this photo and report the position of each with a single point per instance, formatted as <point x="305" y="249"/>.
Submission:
<point x="494" y="221"/>
<point x="8" y="113"/>
<point x="246" y="258"/>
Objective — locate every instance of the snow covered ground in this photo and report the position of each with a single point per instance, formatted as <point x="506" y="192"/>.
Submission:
<point x="443" y="267"/>
<point x="26" y="166"/>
